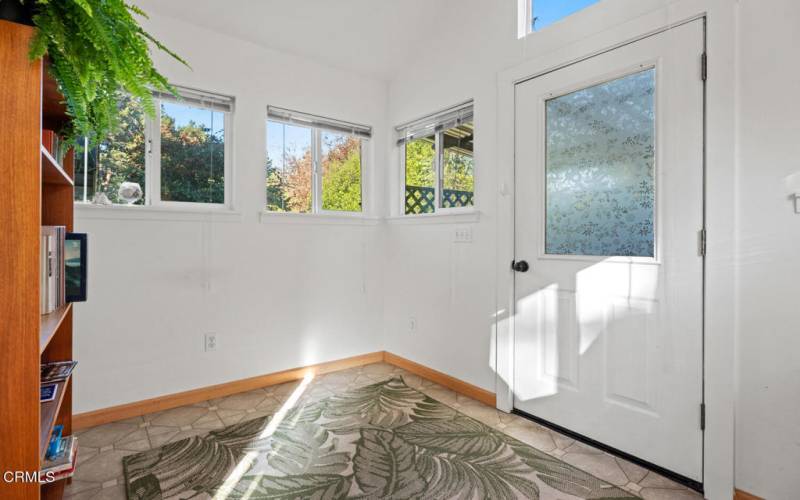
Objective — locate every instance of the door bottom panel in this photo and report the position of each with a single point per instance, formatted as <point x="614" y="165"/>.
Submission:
<point x="674" y="476"/>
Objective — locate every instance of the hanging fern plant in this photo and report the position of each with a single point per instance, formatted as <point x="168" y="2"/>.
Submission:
<point x="97" y="50"/>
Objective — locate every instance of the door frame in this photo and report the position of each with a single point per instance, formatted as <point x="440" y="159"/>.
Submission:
<point x="719" y="17"/>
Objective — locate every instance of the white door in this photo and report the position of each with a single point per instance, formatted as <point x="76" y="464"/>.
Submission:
<point x="608" y="335"/>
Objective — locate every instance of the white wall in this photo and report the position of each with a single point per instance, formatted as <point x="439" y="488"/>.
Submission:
<point x="448" y="287"/>
<point x="277" y="295"/>
<point x="768" y="245"/>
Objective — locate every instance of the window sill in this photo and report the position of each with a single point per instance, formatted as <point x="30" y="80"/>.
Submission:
<point x="467" y="216"/>
<point x="139" y="212"/>
<point x="319" y="219"/>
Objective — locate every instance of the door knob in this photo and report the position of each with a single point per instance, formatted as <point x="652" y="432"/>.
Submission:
<point x="520" y="267"/>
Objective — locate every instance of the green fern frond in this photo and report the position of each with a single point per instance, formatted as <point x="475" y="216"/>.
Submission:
<point x="136" y="10"/>
<point x="97" y="51"/>
<point x="83" y="4"/>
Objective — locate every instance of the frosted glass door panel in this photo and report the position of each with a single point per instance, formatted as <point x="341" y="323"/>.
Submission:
<point x="600" y="179"/>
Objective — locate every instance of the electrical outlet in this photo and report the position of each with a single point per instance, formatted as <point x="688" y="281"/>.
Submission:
<point x="210" y="342"/>
<point x="463" y="234"/>
<point x="412" y="324"/>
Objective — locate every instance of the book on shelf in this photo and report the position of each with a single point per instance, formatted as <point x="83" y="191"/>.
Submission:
<point x="55" y="145"/>
<point x="55" y="442"/>
<point x="48" y="392"/>
<point x="61" y="464"/>
<point x="56" y="371"/>
<point x="58" y="476"/>
<point x="51" y="272"/>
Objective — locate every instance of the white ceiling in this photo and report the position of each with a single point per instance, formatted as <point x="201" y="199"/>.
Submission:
<point x="366" y="36"/>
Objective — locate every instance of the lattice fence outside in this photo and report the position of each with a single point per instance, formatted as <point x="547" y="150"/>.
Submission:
<point x="422" y="200"/>
<point x="453" y="199"/>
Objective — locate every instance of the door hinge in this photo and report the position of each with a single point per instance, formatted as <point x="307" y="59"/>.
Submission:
<point x="704" y="66"/>
<point x="702" y="416"/>
<point x="703" y="239"/>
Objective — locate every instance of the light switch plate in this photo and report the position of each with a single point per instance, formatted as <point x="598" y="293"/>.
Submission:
<point x="463" y="234"/>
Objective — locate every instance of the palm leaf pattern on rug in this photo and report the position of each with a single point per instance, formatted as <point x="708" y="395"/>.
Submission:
<point x="384" y="440"/>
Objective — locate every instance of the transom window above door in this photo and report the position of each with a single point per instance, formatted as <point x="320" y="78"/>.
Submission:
<point x="314" y="164"/>
<point x="543" y="13"/>
<point x="438" y="161"/>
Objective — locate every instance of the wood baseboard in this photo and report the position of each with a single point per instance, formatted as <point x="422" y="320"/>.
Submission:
<point x="161" y="403"/>
<point x="452" y="383"/>
<point x="129" y="410"/>
<point x="743" y="495"/>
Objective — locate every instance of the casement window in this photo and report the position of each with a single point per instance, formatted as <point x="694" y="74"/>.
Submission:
<point x="438" y="162"/>
<point x="179" y="157"/>
<point x="314" y="164"/>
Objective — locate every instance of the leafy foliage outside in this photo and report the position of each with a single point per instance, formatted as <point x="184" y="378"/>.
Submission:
<point x="457" y="171"/>
<point x="97" y="49"/>
<point x="192" y="161"/>
<point x="341" y="173"/>
<point x="290" y="189"/>
<point x="420" y="158"/>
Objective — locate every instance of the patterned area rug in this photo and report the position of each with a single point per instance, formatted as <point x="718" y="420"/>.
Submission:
<point x="384" y="440"/>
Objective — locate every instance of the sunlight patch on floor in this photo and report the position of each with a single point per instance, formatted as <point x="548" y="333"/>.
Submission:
<point x="247" y="461"/>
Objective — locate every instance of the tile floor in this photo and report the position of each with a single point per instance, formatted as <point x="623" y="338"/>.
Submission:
<point x="99" y="473"/>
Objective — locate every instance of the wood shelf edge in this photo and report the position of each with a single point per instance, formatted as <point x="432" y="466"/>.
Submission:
<point x="52" y="172"/>
<point x="49" y="324"/>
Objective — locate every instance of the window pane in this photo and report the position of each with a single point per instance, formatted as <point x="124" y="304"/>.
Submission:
<point x="421" y="175"/>
<point x="192" y="154"/>
<point x="546" y="12"/>
<point x="289" y="168"/>
<point x="458" y="166"/>
<point x="118" y="159"/>
<point x="85" y="173"/>
<point x="600" y="169"/>
<point x="341" y="172"/>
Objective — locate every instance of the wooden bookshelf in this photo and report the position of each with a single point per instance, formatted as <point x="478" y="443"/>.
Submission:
<point x="35" y="190"/>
